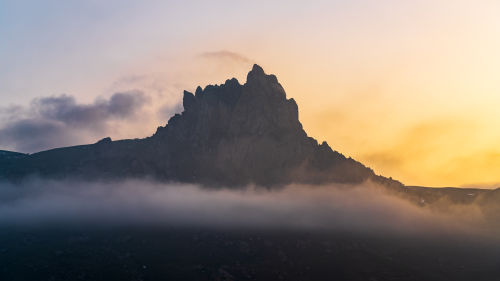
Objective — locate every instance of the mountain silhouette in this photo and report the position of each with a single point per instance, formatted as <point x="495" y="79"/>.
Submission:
<point x="229" y="134"/>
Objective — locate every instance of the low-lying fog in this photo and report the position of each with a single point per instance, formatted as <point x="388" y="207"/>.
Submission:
<point x="361" y="208"/>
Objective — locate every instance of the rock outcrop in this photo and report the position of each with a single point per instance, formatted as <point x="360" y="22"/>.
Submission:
<point x="229" y="134"/>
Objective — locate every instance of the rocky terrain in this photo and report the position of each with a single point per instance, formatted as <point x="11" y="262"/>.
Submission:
<point x="129" y="253"/>
<point x="229" y="134"/>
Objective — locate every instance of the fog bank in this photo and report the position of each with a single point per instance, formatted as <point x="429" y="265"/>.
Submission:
<point x="361" y="208"/>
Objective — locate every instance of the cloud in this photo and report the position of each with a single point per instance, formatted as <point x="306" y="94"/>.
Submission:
<point x="362" y="208"/>
<point x="59" y="120"/>
<point x="29" y="135"/>
<point x="225" y="55"/>
<point x="65" y="108"/>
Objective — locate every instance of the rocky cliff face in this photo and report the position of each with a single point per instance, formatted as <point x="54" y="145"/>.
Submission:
<point x="229" y="134"/>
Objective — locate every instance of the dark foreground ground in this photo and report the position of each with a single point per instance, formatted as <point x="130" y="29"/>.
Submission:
<point x="146" y="253"/>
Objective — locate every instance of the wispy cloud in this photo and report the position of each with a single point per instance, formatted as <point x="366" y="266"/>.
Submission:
<point x="225" y="55"/>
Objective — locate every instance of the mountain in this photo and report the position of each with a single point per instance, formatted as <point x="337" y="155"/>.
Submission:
<point x="229" y="134"/>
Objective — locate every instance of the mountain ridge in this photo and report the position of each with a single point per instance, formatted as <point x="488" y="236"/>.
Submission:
<point x="228" y="134"/>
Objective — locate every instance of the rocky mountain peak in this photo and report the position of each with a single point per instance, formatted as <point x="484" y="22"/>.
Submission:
<point x="264" y="83"/>
<point x="247" y="133"/>
<point x="229" y="134"/>
<point x="256" y="73"/>
<point x="258" y="107"/>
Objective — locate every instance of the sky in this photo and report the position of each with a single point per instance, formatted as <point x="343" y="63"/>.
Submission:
<point x="409" y="88"/>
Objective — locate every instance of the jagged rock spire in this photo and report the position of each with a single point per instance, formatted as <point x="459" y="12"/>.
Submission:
<point x="229" y="134"/>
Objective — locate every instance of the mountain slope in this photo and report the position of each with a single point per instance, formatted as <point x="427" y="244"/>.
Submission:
<point x="229" y="134"/>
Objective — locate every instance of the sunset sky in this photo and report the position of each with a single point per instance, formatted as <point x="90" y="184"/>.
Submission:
<point x="409" y="88"/>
